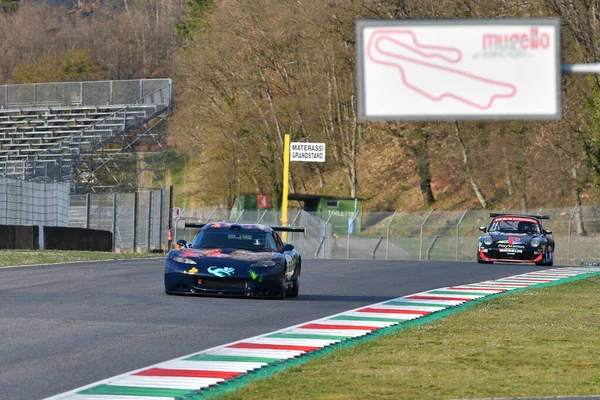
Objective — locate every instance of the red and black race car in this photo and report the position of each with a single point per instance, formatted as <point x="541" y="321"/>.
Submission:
<point x="516" y="238"/>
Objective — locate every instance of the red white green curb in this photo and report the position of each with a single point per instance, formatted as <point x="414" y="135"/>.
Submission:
<point x="211" y="372"/>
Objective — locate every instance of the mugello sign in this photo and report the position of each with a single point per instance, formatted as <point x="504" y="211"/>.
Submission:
<point x="311" y="152"/>
<point x="459" y="69"/>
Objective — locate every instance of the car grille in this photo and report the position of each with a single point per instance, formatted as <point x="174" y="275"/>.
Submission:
<point x="223" y="283"/>
<point x="525" y="255"/>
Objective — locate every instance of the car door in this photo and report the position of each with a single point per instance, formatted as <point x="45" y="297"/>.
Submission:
<point x="290" y="264"/>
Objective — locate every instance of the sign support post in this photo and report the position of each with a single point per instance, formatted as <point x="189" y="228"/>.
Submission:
<point x="286" y="173"/>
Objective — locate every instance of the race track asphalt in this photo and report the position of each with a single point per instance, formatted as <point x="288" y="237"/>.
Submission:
<point x="67" y="325"/>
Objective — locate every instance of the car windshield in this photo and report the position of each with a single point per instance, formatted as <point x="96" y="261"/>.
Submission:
<point x="514" y="226"/>
<point x="245" y="240"/>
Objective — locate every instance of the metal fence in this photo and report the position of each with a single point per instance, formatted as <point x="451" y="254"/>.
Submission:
<point x="31" y="203"/>
<point x="428" y="235"/>
<point x="78" y="94"/>
<point x="139" y="221"/>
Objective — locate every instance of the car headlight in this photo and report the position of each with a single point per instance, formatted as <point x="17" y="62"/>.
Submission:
<point x="535" y="242"/>
<point x="264" y="264"/>
<point x="183" y="260"/>
<point x="487" y="240"/>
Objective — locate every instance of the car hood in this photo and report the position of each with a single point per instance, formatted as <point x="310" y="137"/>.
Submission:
<point x="514" y="239"/>
<point x="203" y="256"/>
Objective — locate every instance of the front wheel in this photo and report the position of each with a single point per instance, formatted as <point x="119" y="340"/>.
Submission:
<point x="281" y="294"/>
<point x="548" y="259"/>
<point x="295" y="288"/>
<point x="548" y="263"/>
<point x="550" y="256"/>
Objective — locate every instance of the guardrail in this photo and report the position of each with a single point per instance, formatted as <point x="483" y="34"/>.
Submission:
<point x="431" y="235"/>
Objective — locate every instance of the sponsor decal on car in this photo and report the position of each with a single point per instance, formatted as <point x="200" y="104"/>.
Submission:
<point x="221" y="272"/>
<point x="510" y="250"/>
<point x="191" y="271"/>
<point x="254" y="275"/>
<point x="512" y="241"/>
<point x="520" y="219"/>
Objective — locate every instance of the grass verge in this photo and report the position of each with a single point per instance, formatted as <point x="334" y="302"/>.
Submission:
<point x="30" y="257"/>
<point x="534" y="343"/>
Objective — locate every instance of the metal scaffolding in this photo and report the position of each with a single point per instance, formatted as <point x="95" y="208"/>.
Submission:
<point x="101" y="137"/>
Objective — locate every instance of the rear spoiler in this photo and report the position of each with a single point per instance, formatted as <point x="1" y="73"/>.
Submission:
<point x="275" y="228"/>
<point x="288" y="229"/>
<point x="520" y="215"/>
<point x="194" y="225"/>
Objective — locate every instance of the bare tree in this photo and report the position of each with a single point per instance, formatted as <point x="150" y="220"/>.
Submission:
<point x="467" y="166"/>
<point x="414" y="140"/>
<point x="137" y="41"/>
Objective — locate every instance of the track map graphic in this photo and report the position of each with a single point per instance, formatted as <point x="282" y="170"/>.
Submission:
<point x="390" y="48"/>
<point x="507" y="69"/>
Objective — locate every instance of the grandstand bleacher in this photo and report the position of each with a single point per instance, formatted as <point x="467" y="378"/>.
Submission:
<point x="73" y="140"/>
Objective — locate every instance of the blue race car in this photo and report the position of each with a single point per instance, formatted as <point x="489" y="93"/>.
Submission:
<point x="247" y="260"/>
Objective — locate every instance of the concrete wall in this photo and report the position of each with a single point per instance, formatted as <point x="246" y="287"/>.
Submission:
<point x="61" y="238"/>
<point x="54" y="238"/>
<point x="19" y="237"/>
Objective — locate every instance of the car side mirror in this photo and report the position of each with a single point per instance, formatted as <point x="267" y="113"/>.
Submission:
<point x="181" y="244"/>
<point x="483" y="229"/>
<point x="547" y="231"/>
<point x="288" y="247"/>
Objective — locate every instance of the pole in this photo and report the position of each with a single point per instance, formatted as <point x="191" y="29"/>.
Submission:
<point x="114" y="227"/>
<point x="177" y="222"/>
<point x="296" y="218"/>
<point x="323" y="236"/>
<point x="135" y="221"/>
<point x="240" y="216"/>
<point x="457" y="226"/>
<point x="160" y="218"/>
<point x="211" y="214"/>
<point x="88" y="205"/>
<point x="170" y="240"/>
<point x="581" y="68"/>
<point x="350" y="223"/>
<point x="431" y="247"/>
<point x="149" y="244"/>
<point x="262" y="217"/>
<point x="175" y="230"/>
<point x="421" y="240"/>
<point x="376" y="247"/>
<point x="569" y="240"/>
<point x="286" y="173"/>
<point x="387" y="238"/>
